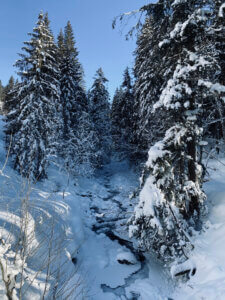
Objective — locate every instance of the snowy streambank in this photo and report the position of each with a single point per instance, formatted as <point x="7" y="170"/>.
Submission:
<point x="209" y="254"/>
<point x="91" y="215"/>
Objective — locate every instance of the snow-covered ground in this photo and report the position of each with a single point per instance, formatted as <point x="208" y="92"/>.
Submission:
<point x="209" y="253"/>
<point x="90" y="214"/>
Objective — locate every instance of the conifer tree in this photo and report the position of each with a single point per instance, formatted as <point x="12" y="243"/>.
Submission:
<point x="1" y="89"/>
<point x="218" y="34"/>
<point x="88" y="156"/>
<point x="7" y="95"/>
<point x="172" y="200"/>
<point x="1" y="95"/>
<point x="100" y="114"/>
<point x="12" y="116"/>
<point x="122" y="115"/>
<point x="72" y="92"/>
<point x="149" y="72"/>
<point x="78" y="134"/>
<point x="38" y="114"/>
<point x="214" y="110"/>
<point x="115" y="118"/>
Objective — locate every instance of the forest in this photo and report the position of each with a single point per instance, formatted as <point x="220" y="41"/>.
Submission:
<point x="120" y="198"/>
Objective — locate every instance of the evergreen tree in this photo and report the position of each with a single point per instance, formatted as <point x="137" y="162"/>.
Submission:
<point x="214" y="110"/>
<point x="149" y="72"/>
<point x="79" y="136"/>
<point x="100" y="114"/>
<point x="12" y="116"/>
<point x="122" y="115"/>
<point x="7" y="95"/>
<point x="172" y="200"/>
<point x="115" y="119"/>
<point x="72" y="92"/>
<point x="61" y="48"/>
<point x="1" y="95"/>
<point x="88" y="155"/>
<point x="218" y="34"/>
<point x="38" y="114"/>
<point x="75" y="107"/>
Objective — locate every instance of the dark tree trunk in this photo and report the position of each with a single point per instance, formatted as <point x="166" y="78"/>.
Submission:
<point x="191" y="148"/>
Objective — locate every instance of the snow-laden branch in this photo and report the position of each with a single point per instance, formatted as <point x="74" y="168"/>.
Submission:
<point x="221" y="10"/>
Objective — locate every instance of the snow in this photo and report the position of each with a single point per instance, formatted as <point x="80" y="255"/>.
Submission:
<point x="68" y="202"/>
<point x="176" y="2"/>
<point x="203" y="143"/>
<point x="221" y="10"/>
<point x="149" y="197"/>
<point x="176" y="30"/>
<point x="188" y="265"/>
<point x="155" y="152"/>
<point x="77" y="204"/>
<point x="216" y="87"/>
<point x="164" y="42"/>
<point x="209" y="255"/>
<point x="126" y="257"/>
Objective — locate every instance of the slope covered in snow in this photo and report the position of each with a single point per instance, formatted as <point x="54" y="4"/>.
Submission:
<point x="209" y="254"/>
<point x="91" y="214"/>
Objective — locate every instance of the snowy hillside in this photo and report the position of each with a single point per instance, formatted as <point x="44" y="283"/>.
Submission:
<point x="91" y="215"/>
<point x="209" y="255"/>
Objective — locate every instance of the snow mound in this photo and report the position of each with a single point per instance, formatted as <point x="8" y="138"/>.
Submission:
<point x="126" y="258"/>
<point x="188" y="267"/>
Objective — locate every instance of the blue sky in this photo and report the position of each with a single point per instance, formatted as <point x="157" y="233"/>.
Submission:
<point x="97" y="43"/>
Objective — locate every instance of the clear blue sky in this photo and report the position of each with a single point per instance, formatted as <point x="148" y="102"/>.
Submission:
<point x="97" y="43"/>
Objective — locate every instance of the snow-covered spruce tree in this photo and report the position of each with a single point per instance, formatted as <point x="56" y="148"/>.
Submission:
<point x="12" y="115"/>
<point x="88" y="147"/>
<point x="100" y="114"/>
<point x="39" y="110"/>
<point x="214" y="109"/>
<point x="79" y="137"/>
<point x="115" y="118"/>
<point x="1" y="96"/>
<point x="219" y="34"/>
<point x="150" y="75"/>
<point x="122" y="115"/>
<point x="72" y="91"/>
<point x="172" y="200"/>
<point x="7" y="95"/>
<point x="1" y="92"/>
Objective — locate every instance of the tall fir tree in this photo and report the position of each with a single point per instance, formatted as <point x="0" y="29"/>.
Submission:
<point x="11" y="115"/>
<point x="214" y="110"/>
<point x="72" y="92"/>
<point x="122" y="116"/>
<point x="7" y="95"/>
<point x="149" y="75"/>
<point x="78" y="134"/>
<point x="1" y="96"/>
<point x="172" y="200"/>
<point x="115" y="119"/>
<point x="38" y="115"/>
<point x="100" y="114"/>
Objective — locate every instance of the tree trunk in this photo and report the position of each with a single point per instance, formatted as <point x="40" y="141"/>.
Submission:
<point x="191" y="148"/>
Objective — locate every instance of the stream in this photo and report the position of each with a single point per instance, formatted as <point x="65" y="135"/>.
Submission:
<point x="110" y="225"/>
